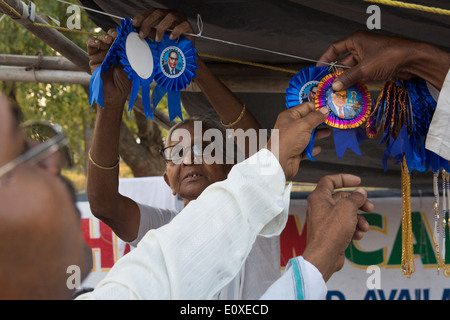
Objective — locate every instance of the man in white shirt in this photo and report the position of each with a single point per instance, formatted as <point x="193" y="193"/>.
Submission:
<point x="305" y="276"/>
<point x="255" y="204"/>
<point x="177" y="261"/>
<point x="180" y="262"/>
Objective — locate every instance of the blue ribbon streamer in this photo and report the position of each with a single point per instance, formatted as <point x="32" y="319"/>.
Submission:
<point x="298" y="93"/>
<point x="173" y="85"/>
<point x="410" y="140"/>
<point x="117" y="55"/>
<point x="348" y="139"/>
<point x="423" y="107"/>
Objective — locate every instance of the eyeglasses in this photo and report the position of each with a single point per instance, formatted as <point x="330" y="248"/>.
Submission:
<point x="45" y="139"/>
<point x="340" y="96"/>
<point x="177" y="152"/>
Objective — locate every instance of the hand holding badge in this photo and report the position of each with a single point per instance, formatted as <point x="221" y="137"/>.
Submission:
<point x="302" y="88"/>
<point x="171" y="63"/>
<point x="403" y="113"/>
<point x="349" y="108"/>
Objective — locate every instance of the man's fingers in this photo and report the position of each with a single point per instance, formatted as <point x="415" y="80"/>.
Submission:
<point x="333" y="52"/>
<point x="362" y="226"/>
<point x="349" y="61"/>
<point x="313" y="119"/>
<point x="367" y="206"/>
<point x="332" y="182"/>
<point x="322" y="133"/>
<point x="301" y="110"/>
<point x="340" y="195"/>
<point x="358" y="198"/>
<point x="315" y="151"/>
<point x="348" y="78"/>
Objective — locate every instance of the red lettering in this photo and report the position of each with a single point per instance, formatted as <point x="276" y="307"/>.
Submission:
<point x="292" y="241"/>
<point x="104" y="243"/>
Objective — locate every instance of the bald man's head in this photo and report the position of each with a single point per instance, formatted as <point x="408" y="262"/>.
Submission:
<point x="40" y="232"/>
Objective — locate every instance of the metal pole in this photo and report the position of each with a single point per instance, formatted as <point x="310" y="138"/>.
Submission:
<point x="49" y="36"/>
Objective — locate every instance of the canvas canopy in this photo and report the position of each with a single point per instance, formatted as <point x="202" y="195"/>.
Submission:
<point x="298" y="27"/>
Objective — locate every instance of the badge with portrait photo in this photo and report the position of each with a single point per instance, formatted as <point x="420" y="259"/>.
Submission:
<point x="175" y="71"/>
<point x="302" y="88"/>
<point x="172" y="62"/>
<point x="349" y="108"/>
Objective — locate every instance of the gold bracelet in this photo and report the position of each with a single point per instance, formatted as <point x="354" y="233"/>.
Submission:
<point x="231" y="124"/>
<point x="101" y="167"/>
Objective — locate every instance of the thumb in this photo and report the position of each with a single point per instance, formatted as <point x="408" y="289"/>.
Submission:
<point x="358" y="198"/>
<point x="348" y="78"/>
<point x="315" y="118"/>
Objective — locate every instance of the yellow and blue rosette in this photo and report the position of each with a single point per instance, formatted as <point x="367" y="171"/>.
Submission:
<point x="302" y="88"/>
<point x="117" y="54"/>
<point x="349" y="109"/>
<point x="175" y="70"/>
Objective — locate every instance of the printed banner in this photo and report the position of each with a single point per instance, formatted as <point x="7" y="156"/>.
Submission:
<point x="372" y="268"/>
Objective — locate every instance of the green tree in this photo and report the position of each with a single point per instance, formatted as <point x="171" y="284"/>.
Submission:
<point x="68" y="105"/>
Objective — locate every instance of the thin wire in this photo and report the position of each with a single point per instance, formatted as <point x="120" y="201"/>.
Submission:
<point x="199" y="35"/>
<point x="90" y="9"/>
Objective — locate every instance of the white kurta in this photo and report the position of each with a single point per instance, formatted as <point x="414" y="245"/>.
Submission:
<point x="438" y="139"/>
<point x="198" y="253"/>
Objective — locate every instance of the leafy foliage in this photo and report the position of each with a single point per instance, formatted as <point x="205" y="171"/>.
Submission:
<point x="66" y="105"/>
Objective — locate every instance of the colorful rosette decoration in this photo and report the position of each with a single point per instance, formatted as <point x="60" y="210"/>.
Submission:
<point x="349" y="108"/>
<point x="136" y="57"/>
<point x="302" y="88"/>
<point x="403" y="113"/>
<point x="175" y="70"/>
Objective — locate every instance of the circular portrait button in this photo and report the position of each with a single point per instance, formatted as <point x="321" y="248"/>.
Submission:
<point x="172" y="62"/>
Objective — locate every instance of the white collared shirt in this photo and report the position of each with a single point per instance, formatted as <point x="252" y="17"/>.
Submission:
<point x="198" y="253"/>
<point x="438" y="139"/>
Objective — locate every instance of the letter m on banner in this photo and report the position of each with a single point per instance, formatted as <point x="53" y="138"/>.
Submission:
<point x="292" y="239"/>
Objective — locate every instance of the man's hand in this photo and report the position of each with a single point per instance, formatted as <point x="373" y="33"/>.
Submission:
<point x="294" y="127"/>
<point x="374" y="57"/>
<point x="332" y="221"/>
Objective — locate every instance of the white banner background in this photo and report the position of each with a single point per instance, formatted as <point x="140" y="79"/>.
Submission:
<point x="352" y="282"/>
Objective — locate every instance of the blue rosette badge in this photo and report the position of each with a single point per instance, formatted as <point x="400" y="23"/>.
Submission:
<point x="403" y="113"/>
<point x="136" y="55"/>
<point x="175" y="71"/>
<point x="302" y="88"/>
